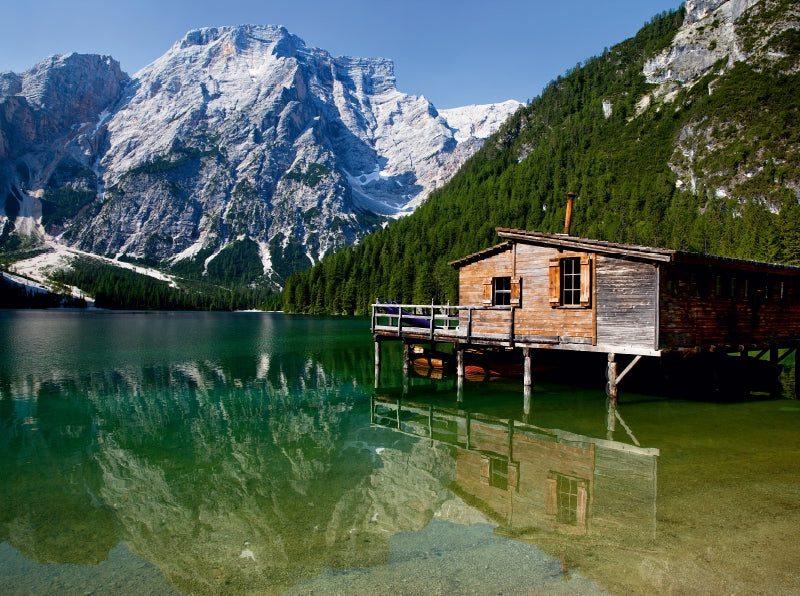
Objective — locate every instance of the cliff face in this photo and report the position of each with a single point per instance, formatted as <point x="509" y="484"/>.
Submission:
<point x="237" y="134"/>
<point x="731" y="44"/>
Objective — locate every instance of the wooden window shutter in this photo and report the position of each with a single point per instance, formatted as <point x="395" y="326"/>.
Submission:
<point x="513" y="475"/>
<point x="586" y="280"/>
<point x="485" y="469"/>
<point x="551" y="496"/>
<point x="583" y="497"/>
<point x="516" y="291"/>
<point x="487" y="291"/>
<point x="555" y="282"/>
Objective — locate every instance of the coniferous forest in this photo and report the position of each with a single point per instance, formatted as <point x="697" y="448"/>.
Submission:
<point x="117" y="288"/>
<point x="618" y="165"/>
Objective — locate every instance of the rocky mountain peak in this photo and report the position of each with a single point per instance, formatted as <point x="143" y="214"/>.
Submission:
<point x="238" y="138"/>
<point x="59" y="93"/>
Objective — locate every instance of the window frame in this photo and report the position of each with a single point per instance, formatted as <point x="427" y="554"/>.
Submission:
<point x="513" y="292"/>
<point x="582" y="290"/>
<point x="567" y="499"/>
<point x="501" y="291"/>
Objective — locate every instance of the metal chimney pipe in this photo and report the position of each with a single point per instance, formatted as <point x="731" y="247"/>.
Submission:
<point x="568" y="220"/>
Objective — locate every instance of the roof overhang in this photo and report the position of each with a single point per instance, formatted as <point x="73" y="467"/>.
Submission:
<point x="565" y="242"/>
<point x="481" y="254"/>
<point x="620" y="250"/>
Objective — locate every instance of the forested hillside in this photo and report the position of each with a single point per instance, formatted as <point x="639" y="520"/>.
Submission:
<point x="590" y="132"/>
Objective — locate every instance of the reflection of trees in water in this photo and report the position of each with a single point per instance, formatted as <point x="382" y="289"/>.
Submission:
<point x="49" y="509"/>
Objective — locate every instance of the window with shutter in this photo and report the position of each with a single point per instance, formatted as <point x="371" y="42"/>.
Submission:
<point x="516" y="291"/>
<point x="571" y="281"/>
<point x="567" y="497"/>
<point x="555" y="285"/>
<point x="501" y="291"/>
<point x="586" y="281"/>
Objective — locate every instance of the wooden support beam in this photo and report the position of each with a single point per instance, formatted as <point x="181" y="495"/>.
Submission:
<point x="528" y="367"/>
<point x="611" y="420"/>
<point x="628" y="368"/>
<point x="627" y="428"/>
<point x="797" y="373"/>
<point x="526" y="401"/>
<point x="460" y="363"/>
<point x="611" y="375"/>
<point x="785" y="355"/>
<point x="408" y="355"/>
<point x="774" y="360"/>
<point x="377" y="363"/>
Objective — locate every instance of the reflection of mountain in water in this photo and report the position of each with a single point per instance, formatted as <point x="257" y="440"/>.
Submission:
<point x="252" y="486"/>
<point x="226" y="481"/>
<point x="531" y="479"/>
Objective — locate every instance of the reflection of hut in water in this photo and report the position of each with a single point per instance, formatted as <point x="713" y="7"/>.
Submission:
<point x="529" y="478"/>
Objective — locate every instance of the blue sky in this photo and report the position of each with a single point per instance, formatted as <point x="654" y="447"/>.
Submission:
<point x="454" y="52"/>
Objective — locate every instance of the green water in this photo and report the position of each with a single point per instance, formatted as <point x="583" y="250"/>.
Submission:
<point x="252" y="453"/>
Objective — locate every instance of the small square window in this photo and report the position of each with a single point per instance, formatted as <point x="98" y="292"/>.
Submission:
<point x="501" y="291"/>
<point x="498" y="473"/>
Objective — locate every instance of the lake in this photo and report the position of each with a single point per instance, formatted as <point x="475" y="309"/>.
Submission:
<point x="255" y="453"/>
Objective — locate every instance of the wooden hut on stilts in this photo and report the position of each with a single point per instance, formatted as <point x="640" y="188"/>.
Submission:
<point x="537" y="291"/>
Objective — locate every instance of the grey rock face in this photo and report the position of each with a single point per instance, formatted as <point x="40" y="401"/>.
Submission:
<point x="716" y="35"/>
<point x="236" y="132"/>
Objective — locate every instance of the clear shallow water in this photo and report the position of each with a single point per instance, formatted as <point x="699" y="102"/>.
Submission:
<point x="251" y="453"/>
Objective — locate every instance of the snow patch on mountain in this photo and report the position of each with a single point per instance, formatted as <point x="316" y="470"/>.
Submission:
<point x="235" y="132"/>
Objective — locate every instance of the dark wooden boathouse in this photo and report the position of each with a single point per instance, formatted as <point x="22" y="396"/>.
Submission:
<point x="540" y="291"/>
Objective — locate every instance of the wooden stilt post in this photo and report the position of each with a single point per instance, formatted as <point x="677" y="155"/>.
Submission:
<point x="526" y="401"/>
<point x="377" y="363"/>
<point x="797" y="372"/>
<point x="774" y="360"/>
<point x="460" y="363"/>
<point x="528" y="367"/>
<point x="459" y="373"/>
<point x="611" y="420"/>
<point x="611" y="375"/>
<point x="408" y="351"/>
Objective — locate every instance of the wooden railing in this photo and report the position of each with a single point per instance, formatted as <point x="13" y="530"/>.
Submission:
<point x="441" y="321"/>
<point x="416" y="317"/>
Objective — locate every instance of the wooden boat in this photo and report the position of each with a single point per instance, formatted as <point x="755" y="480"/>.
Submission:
<point x="480" y="364"/>
<point x="424" y="358"/>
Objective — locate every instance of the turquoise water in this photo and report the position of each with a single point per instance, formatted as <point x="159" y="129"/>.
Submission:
<point x="251" y="453"/>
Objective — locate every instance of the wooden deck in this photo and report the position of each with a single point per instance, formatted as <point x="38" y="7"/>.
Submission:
<point x="488" y="328"/>
<point x="474" y="326"/>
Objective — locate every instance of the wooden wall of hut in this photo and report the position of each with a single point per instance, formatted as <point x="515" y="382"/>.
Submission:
<point x="728" y="307"/>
